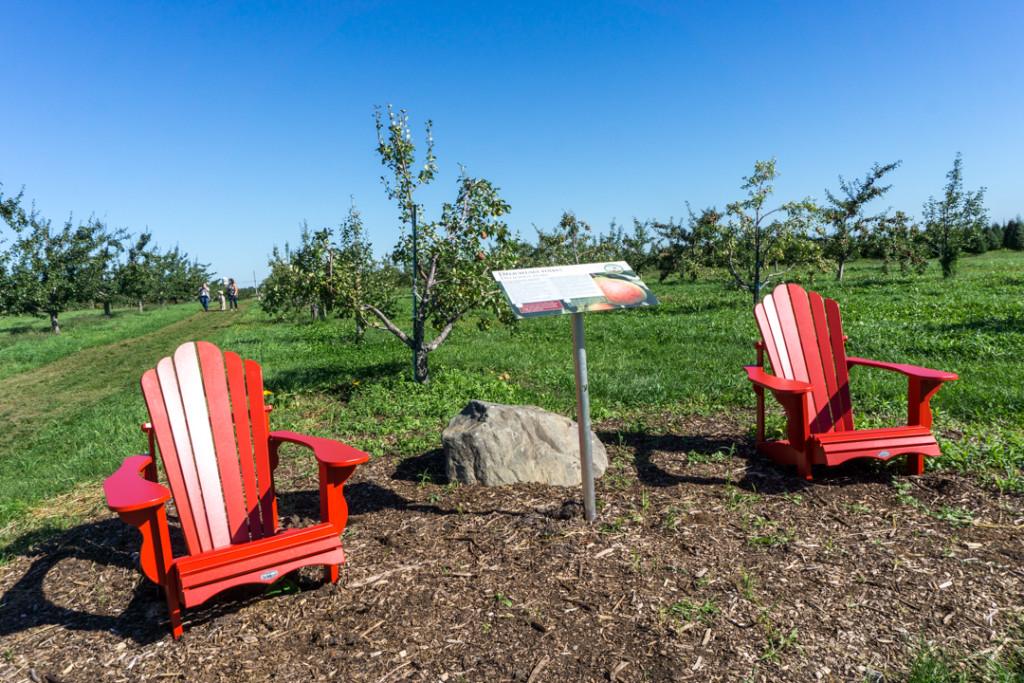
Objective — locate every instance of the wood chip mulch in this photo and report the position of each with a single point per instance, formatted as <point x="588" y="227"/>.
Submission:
<point x="703" y="565"/>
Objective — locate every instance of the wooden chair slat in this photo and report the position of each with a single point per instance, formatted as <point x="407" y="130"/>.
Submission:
<point x="835" y="326"/>
<point x="782" y="368"/>
<point x="828" y="364"/>
<point x="821" y="416"/>
<point x="794" y="344"/>
<point x="160" y="419"/>
<point x="197" y="416"/>
<point x="211" y="362"/>
<point x="761" y="316"/>
<point x="170" y="388"/>
<point x="243" y="433"/>
<point x="258" y="421"/>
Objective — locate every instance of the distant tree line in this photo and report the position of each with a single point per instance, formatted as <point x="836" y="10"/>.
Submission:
<point x="46" y="270"/>
<point x="748" y="245"/>
<point x="751" y="243"/>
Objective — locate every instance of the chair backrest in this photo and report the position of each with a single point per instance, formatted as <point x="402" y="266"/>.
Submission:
<point x="803" y="336"/>
<point x="208" y="416"/>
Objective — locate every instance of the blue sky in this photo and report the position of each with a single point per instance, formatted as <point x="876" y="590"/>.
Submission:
<point x="222" y="126"/>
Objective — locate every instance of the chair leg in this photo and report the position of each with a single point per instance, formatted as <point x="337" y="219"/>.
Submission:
<point x="330" y="573"/>
<point x="803" y="465"/>
<point x="915" y="464"/>
<point x="173" y="606"/>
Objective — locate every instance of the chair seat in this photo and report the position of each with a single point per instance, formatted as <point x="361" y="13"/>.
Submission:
<point x="202" y="576"/>
<point x="881" y="444"/>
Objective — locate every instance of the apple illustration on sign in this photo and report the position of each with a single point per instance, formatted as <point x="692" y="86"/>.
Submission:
<point x="619" y="290"/>
<point x="600" y="306"/>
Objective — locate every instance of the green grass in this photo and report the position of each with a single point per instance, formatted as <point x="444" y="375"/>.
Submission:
<point x="77" y="406"/>
<point x="70" y="421"/>
<point x="685" y="354"/>
<point x="1001" y="664"/>
<point x="27" y="342"/>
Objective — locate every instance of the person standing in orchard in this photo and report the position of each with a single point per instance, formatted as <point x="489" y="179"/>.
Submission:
<point x="204" y="296"/>
<point x="232" y="294"/>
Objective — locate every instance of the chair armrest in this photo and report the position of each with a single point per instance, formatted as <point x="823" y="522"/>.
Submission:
<point x="337" y="462"/>
<point x="776" y="384"/>
<point x="908" y="370"/>
<point x="127" y="490"/>
<point x="327" y="451"/>
<point x="791" y="395"/>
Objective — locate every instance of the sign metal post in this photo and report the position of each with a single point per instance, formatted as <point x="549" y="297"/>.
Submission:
<point x="575" y="289"/>
<point x="583" y="416"/>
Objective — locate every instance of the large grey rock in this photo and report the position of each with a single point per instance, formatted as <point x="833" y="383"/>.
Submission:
<point x="494" y="444"/>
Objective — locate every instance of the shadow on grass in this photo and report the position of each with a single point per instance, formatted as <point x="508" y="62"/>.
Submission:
<point x="24" y="329"/>
<point x="1009" y="325"/>
<point x="334" y="379"/>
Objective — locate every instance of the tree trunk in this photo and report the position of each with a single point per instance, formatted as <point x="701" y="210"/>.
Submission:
<point x="420" y="370"/>
<point x="140" y="305"/>
<point x="948" y="259"/>
<point x="839" y="273"/>
<point x="106" y="308"/>
<point x="54" y="325"/>
<point x="419" y="354"/>
<point x="755" y="288"/>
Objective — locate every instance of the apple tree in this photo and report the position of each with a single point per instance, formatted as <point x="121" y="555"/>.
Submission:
<point x="845" y="226"/>
<point x="755" y="237"/>
<point x="690" y="249"/>
<point x="302" y="279"/>
<point x="451" y="257"/>
<point x="571" y="241"/>
<point x="950" y="223"/>
<point x="10" y="212"/>
<point x="357" y="276"/>
<point x="641" y="249"/>
<point x="135" y="278"/>
<point x="178" y="276"/>
<point x="896" y="241"/>
<point x="49" y="269"/>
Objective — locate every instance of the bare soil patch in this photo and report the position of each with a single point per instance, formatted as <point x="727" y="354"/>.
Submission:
<point x="702" y="566"/>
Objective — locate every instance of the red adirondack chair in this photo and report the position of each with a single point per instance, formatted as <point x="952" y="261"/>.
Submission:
<point x="211" y="427"/>
<point x="803" y="336"/>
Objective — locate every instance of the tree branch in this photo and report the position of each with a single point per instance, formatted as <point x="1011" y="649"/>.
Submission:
<point x="739" y="281"/>
<point x="388" y="325"/>
<point x="446" y="330"/>
<point x="779" y="273"/>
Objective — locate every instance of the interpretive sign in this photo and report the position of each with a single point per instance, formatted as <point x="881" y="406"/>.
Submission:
<point x="585" y="287"/>
<point x="533" y="292"/>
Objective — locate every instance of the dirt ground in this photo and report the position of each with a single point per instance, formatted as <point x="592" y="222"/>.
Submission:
<point x="703" y="565"/>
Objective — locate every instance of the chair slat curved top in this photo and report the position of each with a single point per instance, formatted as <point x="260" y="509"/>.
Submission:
<point x="207" y="412"/>
<point x="803" y="336"/>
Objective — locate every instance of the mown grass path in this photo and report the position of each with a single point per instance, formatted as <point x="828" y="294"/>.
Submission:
<point x="70" y="421"/>
<point x="30" y="400"/>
